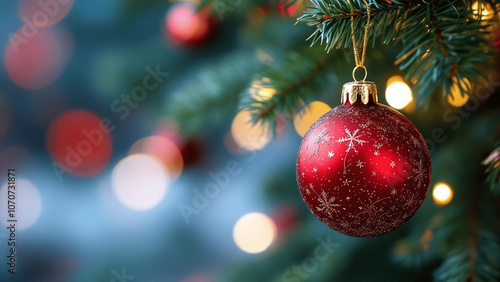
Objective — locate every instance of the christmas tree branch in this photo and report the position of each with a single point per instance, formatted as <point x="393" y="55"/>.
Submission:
<point x="443" y="41"/>
<point x="295" y="83"/>
<point x="493" y="169"/>
<point x="216" y="87"/>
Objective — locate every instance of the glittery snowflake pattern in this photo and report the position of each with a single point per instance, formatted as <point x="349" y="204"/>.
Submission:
<point x="352" y="139"/>
<point x="370" y="172"/>
<point x="322" y="138"/>
<point x="327" y="204"/>
<point x="419" y="174"/>
<point x="370" y="209"/>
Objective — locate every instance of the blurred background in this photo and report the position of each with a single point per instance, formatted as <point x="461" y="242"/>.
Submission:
<point x="112" y="187"/>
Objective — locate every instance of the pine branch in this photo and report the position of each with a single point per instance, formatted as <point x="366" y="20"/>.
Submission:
<point x="216" y="87"/>
<point x="443" y="41"/>
<point x="297" y="82"/>
<point x="493" y="170"/>
<point x="473" y="249"/>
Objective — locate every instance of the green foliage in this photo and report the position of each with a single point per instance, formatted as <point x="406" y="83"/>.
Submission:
<point x="213" y="95"/>
<point x="493" y="169"/>
<point x="296" y="82"/>
<point x="442" y="40"/>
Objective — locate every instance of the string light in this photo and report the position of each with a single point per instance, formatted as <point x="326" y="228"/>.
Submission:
<point x="254" y="232"/>
<point x="482" y="11"/>
<point x="247" y="135"/>
<point x="398" y="94"/>
<point x="260" y="91"/>
<point x="308" y="115"/>
<point x="442" y="194"/>
<point x="28" y="204"/>
<point x="456" y="99"/>
<point x="38" y="62"/>
<point x="164" y="150"/>
<point x="139" y="182"/>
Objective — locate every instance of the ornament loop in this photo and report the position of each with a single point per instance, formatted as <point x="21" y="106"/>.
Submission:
<point x="354" y="73"/>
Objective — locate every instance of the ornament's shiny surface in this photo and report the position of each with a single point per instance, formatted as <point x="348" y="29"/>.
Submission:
<point x="363" y="170"/>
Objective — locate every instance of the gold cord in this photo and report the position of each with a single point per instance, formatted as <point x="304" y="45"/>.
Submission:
<point x="360" y="63"/>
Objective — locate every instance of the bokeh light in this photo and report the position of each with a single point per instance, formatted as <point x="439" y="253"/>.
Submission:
<point x="482" y="11"/>
<point x="308" y="116"/>
<point x="398" y="94"/>
<point x="28" y="204"/>
<point x="44" y="13"/>
<point x="442" y="194"/>
<point x="35" y="61"/>
<point x="254" y="232"/>
<point x="139" y="182"/>
<point x="247" y="135"/>
<point x="187" y="26"/>
<point x="80" y="143"/>
<point x="163" y="149"/>
<point x="456" y="99"/>
<point x="285" y="8"/>
<point x="259" y="91"/>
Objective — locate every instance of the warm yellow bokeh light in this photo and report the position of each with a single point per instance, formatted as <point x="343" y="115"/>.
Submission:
<point x="456" y="99"/>
<point x="442" y="194"/>
<point x="247" y="135"/>
<point x="394" y="78"/>
<point x="139" y="182"/>
<point x="482" y="11"/>
<point x="260" y="92"/>
<point x="398" y="94"/>
<point x="254" y="232"/>
<point x="308" y="115"/>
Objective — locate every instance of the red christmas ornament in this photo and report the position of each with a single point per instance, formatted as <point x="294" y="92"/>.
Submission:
<point x="286" y="9"/>
<point x="79" y="143"/>
<point x="363" y="168"/>
<point x="188" y="27"/>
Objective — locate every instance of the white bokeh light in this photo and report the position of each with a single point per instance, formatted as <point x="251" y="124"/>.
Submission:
<point x="28" y="204"/>
<point x="442" y="194"/>
<point x="139" y="182"/>
<point x="254" y="232"/>
<point x="398" y="95"/>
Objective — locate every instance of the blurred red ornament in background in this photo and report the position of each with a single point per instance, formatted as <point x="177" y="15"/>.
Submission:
<point x="287" y="9"/>
<point x="35" y="57"/>
<point x="44" y="13"/>
<point x="80" y="143"/>
<point x="186" y="26"/>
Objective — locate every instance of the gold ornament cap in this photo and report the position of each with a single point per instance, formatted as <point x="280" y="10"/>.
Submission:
<point x="365" y="91"/>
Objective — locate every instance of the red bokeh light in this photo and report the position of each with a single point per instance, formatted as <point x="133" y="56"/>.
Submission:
<point x="44" y="13"/>
<point x="80" y="143"/>
<point x="187" y="27"/>
<point x="286" y="9"/>
<point x="165" y="150"/>
<point x="35" y="58"/>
